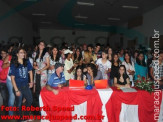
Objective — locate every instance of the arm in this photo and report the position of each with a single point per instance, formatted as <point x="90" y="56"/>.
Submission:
<point x="18" y="93"/>
<point x="47" y="65"/>
<point x="51" y="89"/>
<point x="6" y="63"/>
<point x="31" y="79"/>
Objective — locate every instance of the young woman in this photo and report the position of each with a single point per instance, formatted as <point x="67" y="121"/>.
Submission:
<point x="104" y="65"/>
<point x="110" y="54"/>
<point x="54" y="58"/>
<point x="69" y="66"/>
<point x="41" y="64"/>
<point x="129" y="67"/>
<point x="93" y="74"/>
<point x="3" y="86"/>
<point x="140" y="66"/>
<point x="77" y="58"/>
<point x="79" y="74"/>
<point x="122" y="79"/>
<point x="114" y="68"/>
<point x="19" y="69"/>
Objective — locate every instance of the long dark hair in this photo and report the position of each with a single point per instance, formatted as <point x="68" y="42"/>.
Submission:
<point x="15" y="58"/>
<point x="142" y="63"/>
<point x="127" y="53"/>
<point x="80" y="55"/>
<point x="94" y="69"/>
<point x="125" y="76"/>
<point x="118" y="61"/>
<point x="78" y="67"/>
<point x="38" y="52"/>
<point x="58" y="55"/>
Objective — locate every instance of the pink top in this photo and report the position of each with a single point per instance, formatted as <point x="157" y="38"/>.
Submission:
<point x="1" y="62"/>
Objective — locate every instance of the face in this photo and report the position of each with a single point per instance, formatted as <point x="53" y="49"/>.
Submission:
<point x="10" y="49"/>
<point x="90" y="49"/>
<point x="63" y="50"/>
<point x="77" y="51"/>
<point x="3" y="54"/>
<point x="104" y="55"/>
<point x="115" y="57"/>
<point x="141" y="57"/>
<point x="84" y="47"/>
<point x="21" y="54"/>
<point x="89" y="70"/>
<point x="41" y="46"/>
<point x="161" y="57"/>
<point x="98" y="48"/>
<point x="60" y="69"/>
<point x="121" y="52"/>
<point x="121" y="70"/>
<point x="136" y="54"/>
<point x="55" y="51"/>
<point x="69" y="55"/>
<point x="79" y="72"/>
<point x="127" y="57"/>
<point x="110" y="51"/>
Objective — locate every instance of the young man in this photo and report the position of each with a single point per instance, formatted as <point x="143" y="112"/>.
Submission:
<point x="97" y="50"/>
<point x="57" y="79"/>
<point x="104" y="65"/>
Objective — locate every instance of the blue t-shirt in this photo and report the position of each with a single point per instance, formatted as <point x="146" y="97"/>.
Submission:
<point x="140" y="70"/>
<point x="54" y="80"/>
<point x="20" y="73"/>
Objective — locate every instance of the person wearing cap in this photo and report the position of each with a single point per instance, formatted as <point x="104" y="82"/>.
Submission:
<point x="69" y="66"/>
<point x="57" y="79"/>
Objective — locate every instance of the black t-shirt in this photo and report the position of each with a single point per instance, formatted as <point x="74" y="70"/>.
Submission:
<point x="124" y="77"/>
<point x="114" y="71"/>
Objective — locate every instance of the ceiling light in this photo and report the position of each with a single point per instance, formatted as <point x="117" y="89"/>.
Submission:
<point x="46" y="22"/>
<point x="130" y="7"/>
<point x="81" y="17"/>
<point x="38" y="14"/>
<point x="86" y="4"/>
<point x="117" y="19"/>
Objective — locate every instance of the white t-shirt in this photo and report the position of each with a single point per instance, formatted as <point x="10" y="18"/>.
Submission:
<point x="68" y="66"/>
<point x="103" y="67"/>
<point x="131" y="67"/>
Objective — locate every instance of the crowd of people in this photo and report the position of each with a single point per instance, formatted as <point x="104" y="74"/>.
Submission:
<point x="25" y="70"/>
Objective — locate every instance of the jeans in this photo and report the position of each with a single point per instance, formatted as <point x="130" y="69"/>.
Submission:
<point x="25" y="93"/>
<point x="4" y="93"/>
<point x="11" y="95"/>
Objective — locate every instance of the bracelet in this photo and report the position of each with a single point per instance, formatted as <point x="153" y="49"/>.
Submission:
<point x="17" y="91"/>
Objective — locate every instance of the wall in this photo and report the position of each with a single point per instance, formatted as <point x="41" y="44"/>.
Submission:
<point x="14" y="26"/>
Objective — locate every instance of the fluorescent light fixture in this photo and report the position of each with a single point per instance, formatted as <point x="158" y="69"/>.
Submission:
<point x="116" y="19"/>
<point x="79" y="24"/>
<point x="81" y="17"/>
<point x="38" y="14"/>
<point x="46" y="22"/>
<point x="85" y="4"/>
<point x="130" y="7"/>
<point x="105" y="25"/>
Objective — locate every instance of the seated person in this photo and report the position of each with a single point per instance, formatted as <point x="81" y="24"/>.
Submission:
<point x="93" y="74"/>
<point x="122" y="79"/>
<point x="57" y="79"/>
<point x="79" y="74"/>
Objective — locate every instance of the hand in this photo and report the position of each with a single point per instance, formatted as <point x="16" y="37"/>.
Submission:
<point x="127" y="86"/>
<point x="36" y="67"/>
<point x="30" y="84"/>
<point x="55" y="91"/>
<point x="59" y="85"/>
<point x="18" y="93"/>
<point x="38" y="72"/>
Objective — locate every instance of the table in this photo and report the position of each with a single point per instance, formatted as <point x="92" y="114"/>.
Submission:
<point x="115" y="104"/>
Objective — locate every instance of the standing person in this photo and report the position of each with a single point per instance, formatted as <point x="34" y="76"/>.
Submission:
<point x="54" y="58"/>
<point x="104" y="65"/>
<point x="122" y="79"/>
<point x="62" y="58"/>
<point x="130" y="68"/>
<point x="97" y="50"/>
<point x="114" y="68"/>
<point x="41" y="64"/>
<point x="121" y="56"/>
<point x="69" y="66"/>
<point x="89" y="56"/>
<point x="19" y="69"/>
<point x="140" y="66"/>
<point x="3" y="86"/>
<point x="77" y="58"/>
<point x="110" y="54"/>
